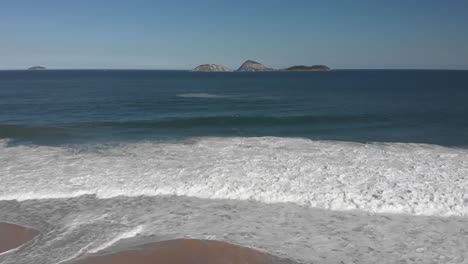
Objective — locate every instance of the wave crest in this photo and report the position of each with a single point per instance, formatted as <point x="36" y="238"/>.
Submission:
<point x="397" y="178"/>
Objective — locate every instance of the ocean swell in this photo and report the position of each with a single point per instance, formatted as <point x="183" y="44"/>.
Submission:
<point x="31" y="132"/>
<point x="385" y="178"/>
<point x="226" y="123"/>
<point x="201" y="95"/>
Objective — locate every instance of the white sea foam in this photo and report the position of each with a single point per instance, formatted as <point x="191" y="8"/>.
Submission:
<point x="398" y="178"/>
<point x="128" y="234"/>
<point x="78" y="226"/>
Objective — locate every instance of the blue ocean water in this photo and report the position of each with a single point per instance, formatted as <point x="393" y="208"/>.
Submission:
<point x="97" y="160"/>
<point x="57" y="107"/>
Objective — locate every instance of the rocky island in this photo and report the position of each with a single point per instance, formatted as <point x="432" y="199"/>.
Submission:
<point x="37" y="68"/>
<point x="251" y="65"/>
<point x="308" y="68"/>
<point x="211" y="68"/>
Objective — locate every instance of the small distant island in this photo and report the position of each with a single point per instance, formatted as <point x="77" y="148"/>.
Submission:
<point x="253" y="66"/>
<point x="211" y="68"/>
<point x="308" y="68"/>
<point x="37" y="68"/>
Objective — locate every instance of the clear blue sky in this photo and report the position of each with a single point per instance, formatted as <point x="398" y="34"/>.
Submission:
<point x="151" y="34"/>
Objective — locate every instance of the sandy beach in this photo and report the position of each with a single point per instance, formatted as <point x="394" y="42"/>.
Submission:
<point x="186" y="251"/>
<point x="13" y="236"/>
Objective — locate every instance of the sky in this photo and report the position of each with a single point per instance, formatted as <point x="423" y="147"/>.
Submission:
<point x="151" y="34"/>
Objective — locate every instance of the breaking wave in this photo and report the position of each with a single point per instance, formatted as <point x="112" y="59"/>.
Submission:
<point x="387" y="178"/>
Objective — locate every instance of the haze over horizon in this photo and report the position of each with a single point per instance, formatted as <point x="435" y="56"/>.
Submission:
<point x="147" y="34"/>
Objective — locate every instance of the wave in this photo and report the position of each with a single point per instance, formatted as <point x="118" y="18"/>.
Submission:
<point x="222" y="122"/>
<point x="386" y="178"/>
<point x="25" y="131"/>
<point x="201" y="95"/>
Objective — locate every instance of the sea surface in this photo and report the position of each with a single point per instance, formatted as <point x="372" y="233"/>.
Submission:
<point x="369" y="166"/>
<point x="59" y="107"/>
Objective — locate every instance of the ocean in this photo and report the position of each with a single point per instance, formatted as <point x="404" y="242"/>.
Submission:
<point x="319" y="167"/>
<point x="62" y="107"/>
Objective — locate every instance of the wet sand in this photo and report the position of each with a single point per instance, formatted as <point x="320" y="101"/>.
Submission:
<point x="186" y="251"/>
<point x="13" y="236"/>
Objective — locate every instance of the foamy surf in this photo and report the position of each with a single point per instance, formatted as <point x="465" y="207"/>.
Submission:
<point x="382" y="178"/>
<point x="79" y="226"/>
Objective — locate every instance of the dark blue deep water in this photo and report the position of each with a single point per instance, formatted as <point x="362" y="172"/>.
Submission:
<point x="66" y="107"/>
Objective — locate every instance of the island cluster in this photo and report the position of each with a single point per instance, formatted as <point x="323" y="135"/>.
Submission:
<point x="247" y="66"/>
<point x="253" y="66"/>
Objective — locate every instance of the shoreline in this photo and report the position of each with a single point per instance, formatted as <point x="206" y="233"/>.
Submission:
<point x="184" y="251"/>
<point x="13" y="236"/>
<point x="286" y="231"/>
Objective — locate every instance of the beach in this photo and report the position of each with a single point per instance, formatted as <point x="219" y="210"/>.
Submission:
<point x="13" y="236"/>
<point x="186" y="251"/>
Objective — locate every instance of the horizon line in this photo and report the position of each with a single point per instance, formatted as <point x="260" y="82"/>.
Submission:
<point x="275" y="70"/>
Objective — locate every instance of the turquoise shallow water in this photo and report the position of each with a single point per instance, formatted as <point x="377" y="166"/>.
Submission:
<point x="62" y="107"/>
